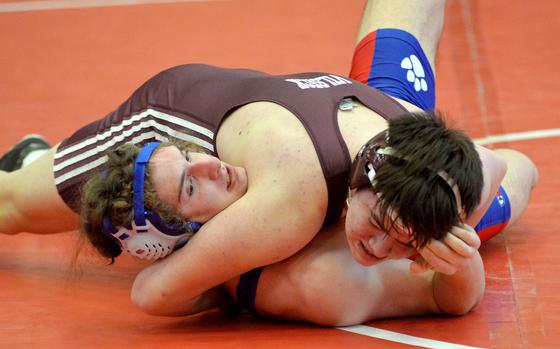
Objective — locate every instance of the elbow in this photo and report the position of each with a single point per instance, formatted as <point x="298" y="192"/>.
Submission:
<point x="476" y="299"/>
<point x="145" y="300"/>
<point x="157" y="301"/>
<point x="151" y="300"/>
<point x="470" y="302"/>
<point x="463" y="305"/>
<point x="459" y="298"/>
<point x="461" y="308"/>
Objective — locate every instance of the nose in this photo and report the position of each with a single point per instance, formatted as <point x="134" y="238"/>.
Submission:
<point x="381" y="245"/>
<point x="209" y="167"/>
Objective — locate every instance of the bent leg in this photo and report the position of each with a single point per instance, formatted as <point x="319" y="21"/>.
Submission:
<point x="396" y="48"/>
<point x="421" y="18"/>
<point x="29" y="201"/>
<point x="512" y="197"/>
<point x="520" y="179"/>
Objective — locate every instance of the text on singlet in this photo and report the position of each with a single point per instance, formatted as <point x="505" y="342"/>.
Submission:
<point x="324" y="81"/>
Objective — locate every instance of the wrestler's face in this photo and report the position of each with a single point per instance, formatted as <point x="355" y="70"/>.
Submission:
<point x="368" y="243"/>
<point x="198" y="186"/>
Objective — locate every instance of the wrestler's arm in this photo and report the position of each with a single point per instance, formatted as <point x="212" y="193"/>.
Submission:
<point x="431" y="292"/>
<point x="407" y="294"/>
<point x="276" y="217"/>
<point x="452" y="252"/>
<point x="216" y="297"/>
<point x="454" y="263"/>
<point x="323" y="284"/>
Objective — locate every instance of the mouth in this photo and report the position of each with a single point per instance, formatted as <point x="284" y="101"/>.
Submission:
<point x="230" y="178"/>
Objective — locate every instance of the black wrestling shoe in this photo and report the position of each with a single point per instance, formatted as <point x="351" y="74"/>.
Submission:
<point x="13" y="159"/>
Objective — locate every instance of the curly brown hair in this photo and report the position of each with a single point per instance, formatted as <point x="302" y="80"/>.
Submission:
<point x="109" y="193"/>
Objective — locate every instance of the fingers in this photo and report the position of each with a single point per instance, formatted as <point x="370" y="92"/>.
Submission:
<point x="460" y="246"/>
<point x="467" y="234"/>
<point x="440" y="258"/>
<point x="449" y="254"/>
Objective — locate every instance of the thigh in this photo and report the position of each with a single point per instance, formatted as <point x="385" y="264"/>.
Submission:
<point x="512" y="196"/>
<point x="520" y="179"/>
<point x="421" y="18"/>
<point x="30" y="200"/>
<point x="392" y="61"/>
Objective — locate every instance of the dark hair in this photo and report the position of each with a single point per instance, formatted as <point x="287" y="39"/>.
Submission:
<point x="412" y="188"/>
<point x="109" y="193"/>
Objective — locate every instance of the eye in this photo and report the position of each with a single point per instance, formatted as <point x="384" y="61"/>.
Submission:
<point x="407" y="246"/>
<point x="191" y="186"/>
<point x="401" y="237"/>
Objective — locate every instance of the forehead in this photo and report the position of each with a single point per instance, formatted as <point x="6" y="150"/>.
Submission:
<point x="165" y="170"/>
<point x="164" y="153"/>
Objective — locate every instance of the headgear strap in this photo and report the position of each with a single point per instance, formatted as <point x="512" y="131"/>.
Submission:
<point x="138" y="182"/>
<point x="149" y="236"/>
<point x="371" y="156"/>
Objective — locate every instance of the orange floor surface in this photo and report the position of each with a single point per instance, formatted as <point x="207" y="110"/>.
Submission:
<point x="497" y="74"/>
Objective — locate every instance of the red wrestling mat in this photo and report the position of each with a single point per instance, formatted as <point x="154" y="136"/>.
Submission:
<point x="63" y="67"/>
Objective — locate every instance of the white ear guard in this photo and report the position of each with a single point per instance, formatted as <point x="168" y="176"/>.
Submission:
<point x="149" y="237"/>
<point x="147" y="241"/>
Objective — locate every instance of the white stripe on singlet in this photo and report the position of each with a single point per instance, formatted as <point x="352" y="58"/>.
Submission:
<point x="116" y="134"/>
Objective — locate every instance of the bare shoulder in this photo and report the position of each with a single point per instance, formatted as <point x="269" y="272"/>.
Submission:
<point x="287" y="189"/>
<point x="273" y="146"/>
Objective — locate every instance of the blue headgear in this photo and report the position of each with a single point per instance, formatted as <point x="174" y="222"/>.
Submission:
<point x="149" y="237"/>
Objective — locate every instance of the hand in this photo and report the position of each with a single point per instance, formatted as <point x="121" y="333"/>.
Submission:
<point x="449" y="254"/>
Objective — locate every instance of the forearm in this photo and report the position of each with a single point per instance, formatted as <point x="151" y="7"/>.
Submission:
<point x="459" y="293"/>
<point x="143" y="297"/>
<point x="227" y="246"/>
<point x="216" y="297"/>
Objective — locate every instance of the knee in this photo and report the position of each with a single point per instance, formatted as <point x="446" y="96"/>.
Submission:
<point x="520" y="166"/>
<point x="534" y="171"/>
<point x="521" y="177"/>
